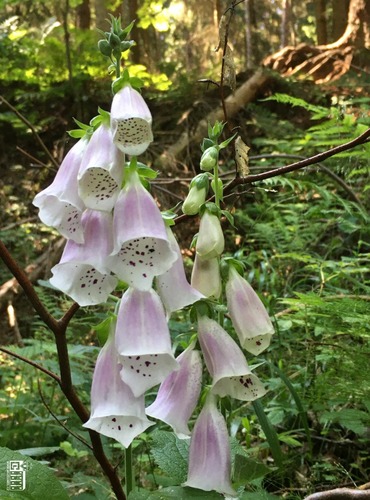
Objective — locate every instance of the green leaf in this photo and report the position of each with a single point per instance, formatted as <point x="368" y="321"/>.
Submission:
<point x="40" y="481"/>
<point x="171" y="454"/>
<point x="259" y="495"/>
<point x="246" y="470"/>
<point x="40" y="451"/>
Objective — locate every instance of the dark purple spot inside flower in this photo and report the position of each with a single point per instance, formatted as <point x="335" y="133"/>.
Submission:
<point x="114" y="419"/>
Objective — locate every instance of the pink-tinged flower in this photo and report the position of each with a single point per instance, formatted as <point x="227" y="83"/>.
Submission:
<point x="60" y="204"/>
<point x="178" y="395"/>
<point x="81" y="272"/>
<point x="143" y="340"/>
<point x="131" y="121"/>
<point x="206" y="277"/>
<point x="141" y="247"/>
<point x="209" y="453"/>
<point x="115" y="412"/>
<point x="248" y="314"/>
<point x="101" y="171"/>
<point x="172" y="286"/>
<point x="226" y="363"/>
<point x="210" y="242"/>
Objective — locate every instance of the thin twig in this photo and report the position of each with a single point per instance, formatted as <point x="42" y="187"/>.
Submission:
<point x="80" y="438"/>
<point x="32" y="363"/>
<point x="32" y="128"/>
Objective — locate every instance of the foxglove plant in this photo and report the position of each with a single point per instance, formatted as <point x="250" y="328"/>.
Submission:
<point x="60" y="205"/>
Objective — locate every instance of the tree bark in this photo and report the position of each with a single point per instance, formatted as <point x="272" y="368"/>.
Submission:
<point x="340" y="16"/>
<point x="321" y="24"/>
<point x="84" y="15"/>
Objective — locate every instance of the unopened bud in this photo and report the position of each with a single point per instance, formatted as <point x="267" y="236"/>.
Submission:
<point x="209" y="159"/>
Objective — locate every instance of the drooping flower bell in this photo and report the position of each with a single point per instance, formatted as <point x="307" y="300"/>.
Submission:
<point x="178" y="395"/>
<point x="143" y="340"/>
<point x="206" y="277"/>
<point x="210" y="242"/>
<point x="101" y="171"/>
<point x="209" y="453"/>
<point x="172" y="286"/>
<point x="141" y="247"/>
<point x="131" y="121"/>
<point x="60" y="205"/>
<point x="248" y="314"/>
<point x="115" y="412"/>
<point x="231" y="375"/>
<point x="82" y="273"/>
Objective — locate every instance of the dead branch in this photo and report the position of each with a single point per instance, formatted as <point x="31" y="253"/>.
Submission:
<point x="233" y="103"/>
<point x="340" y="494"/>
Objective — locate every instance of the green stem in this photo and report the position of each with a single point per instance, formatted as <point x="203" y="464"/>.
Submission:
<point x="215" y="179"/>
<point x="128" y="470"/>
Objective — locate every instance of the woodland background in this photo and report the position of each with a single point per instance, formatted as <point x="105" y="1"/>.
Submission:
<point x="304" y="73"/>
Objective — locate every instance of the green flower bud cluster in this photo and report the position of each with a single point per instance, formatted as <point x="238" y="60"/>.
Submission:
<point x="115" y="41"/>
<point x="209" y="159"/>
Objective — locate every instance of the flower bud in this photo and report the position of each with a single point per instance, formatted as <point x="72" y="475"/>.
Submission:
<point x="211" y="241"/>
<point x="209" y="159"/>
<point x="195" y="198"/>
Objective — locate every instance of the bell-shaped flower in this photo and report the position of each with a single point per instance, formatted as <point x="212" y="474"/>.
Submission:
<point x="143" y="340"/>
<point x="178" y="395"/>
<point x="141" y="247"/>
<point x="101" y="171"/>
<point x="211" y="241"/>
<point x="115" y="412"/>
<point x="60" y="205"/>
<point x="206" y="277"/>
<point x="226" y="363"/>
<point x="81" y="272"/>
<point x="172" y="286"/>
<point x="131" y="121"/>
<point x="210" y="453"/>
<point x="248" y="314"/>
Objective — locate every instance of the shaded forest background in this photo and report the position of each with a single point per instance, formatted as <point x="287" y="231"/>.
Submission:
<point x="304" y="72"/>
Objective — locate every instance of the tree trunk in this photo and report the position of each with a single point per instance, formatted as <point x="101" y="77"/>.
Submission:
<point x="248" y="35"/>
<point x="83" y="15"/>
<point x="321" y="24"/>
<point x="286" y="24"/>
<point x="340" y="16"/>
<point x="101" y="15"/>
<point x="327" y="62"/>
